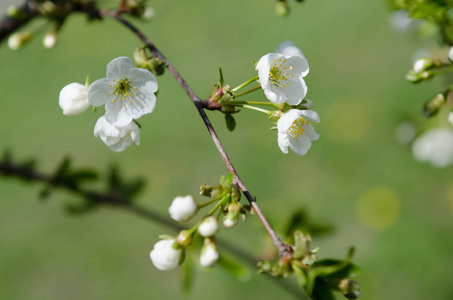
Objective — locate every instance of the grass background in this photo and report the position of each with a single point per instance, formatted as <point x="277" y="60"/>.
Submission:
<point x="396" y="211"/>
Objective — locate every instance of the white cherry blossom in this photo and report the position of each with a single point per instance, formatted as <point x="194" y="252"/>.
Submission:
<point x="127" y="92"/>
<point x="73" y="99"/>
<point x="117" y="138"/>
<point x="164" y="255"/>
<point x="296" y="132"/>
<point x="281" y="74"/>
<point x="182" y="208"/>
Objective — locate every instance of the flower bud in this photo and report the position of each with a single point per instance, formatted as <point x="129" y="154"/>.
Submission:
<point x="450" y="54"/>
<point x="148" y="14"/>
<point x="14" y="13"/>
<point x="232" y="217"/>
<point x="140" y="56"/>
<point x="423" y="64"/>
<point x="208" y="227"/>
<point x="282" y="8"/>
<point x="349" y="288"/>
<point x="18" y="39"/>
<point x="73" y="99"/>
<point x="433" y="106"/>
<point x="50" y="39"/>
<point x="184" y="238"/>
<point x="165" y="255"/>
<point x="209" y="253"/>
<point x="183" y="208"/>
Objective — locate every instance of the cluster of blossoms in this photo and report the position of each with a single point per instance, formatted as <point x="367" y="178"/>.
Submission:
<point x="281" y="75"/>
<point x="168" y="253"/>
<point x="127" y="93"/>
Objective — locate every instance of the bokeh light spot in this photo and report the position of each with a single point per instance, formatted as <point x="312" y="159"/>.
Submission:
<point x="378" y="208"/>
<point x="346" y="121"/>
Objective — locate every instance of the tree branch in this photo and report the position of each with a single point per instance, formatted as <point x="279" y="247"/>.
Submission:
<point x="284" y="250"/>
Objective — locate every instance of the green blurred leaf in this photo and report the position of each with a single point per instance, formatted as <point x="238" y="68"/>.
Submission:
<point x="233" y="267"/>
<point x="187" y="275"/>
<point x="230" y="122"/>
<point x="220" y="78"/>
<point x="322" y="290"/>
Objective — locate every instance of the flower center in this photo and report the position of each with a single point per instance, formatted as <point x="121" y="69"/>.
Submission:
<point x="123" y="88"/>
<point x="297" y="128"/>
<point x="278" y="74"/>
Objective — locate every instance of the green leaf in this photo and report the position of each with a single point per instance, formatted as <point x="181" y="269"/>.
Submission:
<point x="300" y="275"/>
<point x="334" y="268"/>
<point x="322" y="291"/>
<point x="187" y="275"/>
<point x="228" y="182"/>
<point x="233" y="267"/>
<point x="220" y="77"/>
<point x="230" y="122"/>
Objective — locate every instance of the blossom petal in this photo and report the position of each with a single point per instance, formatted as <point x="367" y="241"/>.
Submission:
<point x="288" y="49"/>
<point x="143" y="79"/>
<point x="295" y="92"/>
<point x="300" y="145"/>
<point x="264" y="66"/>
<point x="283" y="141"/>
<point x="310" y="115"/>
<point x="275" y="94"/>
<point x="118" y="67"/>
<point x="310" y="132"/>
<point x="98" y="92"/>
<point x="285" y="122"/>
<point x="116" y="114"/>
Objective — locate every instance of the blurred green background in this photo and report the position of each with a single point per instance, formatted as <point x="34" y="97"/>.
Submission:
<point x="356" y="177"/>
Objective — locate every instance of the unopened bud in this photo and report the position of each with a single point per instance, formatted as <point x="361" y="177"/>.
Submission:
<point x="156" y="66"/>
<point x="184" y="238"/>
<point x="232" y="217"/>
<point x="423" y="64"/>
<point x="282" y="8"/>
<point x="349" y="288"/>
<point x="50" y="39"/>
<point x="140" y="57"/>
<point x="209" y="253"/>
<point x="450" y="54"/>
<point x="148" y="14"/>
<point x="208" y="227"/>
<point x="18" y="39"/>
<point x="14" y="13"/>
<point x="433" y="106"/>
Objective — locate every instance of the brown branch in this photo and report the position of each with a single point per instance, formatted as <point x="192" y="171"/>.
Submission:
<point x="284" y="250"/>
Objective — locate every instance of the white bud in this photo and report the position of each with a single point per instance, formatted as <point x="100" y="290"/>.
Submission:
<point x="50" y="39"/>
<point x="148" y="14"/>
<point x="230" y="221"/>
<point x="164" y="256"/>
<point x="208" y="227"/>
<point x="74" y="99"/>
<point x="209" y="253"/>
<point x="183" y="208"/>
<point x="423" y="64"/>
<point x="16" y="40"/>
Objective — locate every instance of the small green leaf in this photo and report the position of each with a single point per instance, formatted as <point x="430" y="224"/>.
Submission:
<point x="187" y="275"/>
<point x="322" y="291"/>
<point x="220" y="77"/>
<point x="233" y="267"/>
<point x="230" y="122"/>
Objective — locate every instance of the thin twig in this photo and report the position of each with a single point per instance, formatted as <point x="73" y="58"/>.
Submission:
<point x="284" y="250"/>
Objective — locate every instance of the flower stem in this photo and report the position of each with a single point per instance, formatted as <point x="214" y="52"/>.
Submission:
<point x="245" y="84"/>
<point x="253" y="103"/>
<point x="247" y="91"/>
<point x="443" y="71"/>
<point x="212" y="201"/>
<point x="254" y="108"/>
